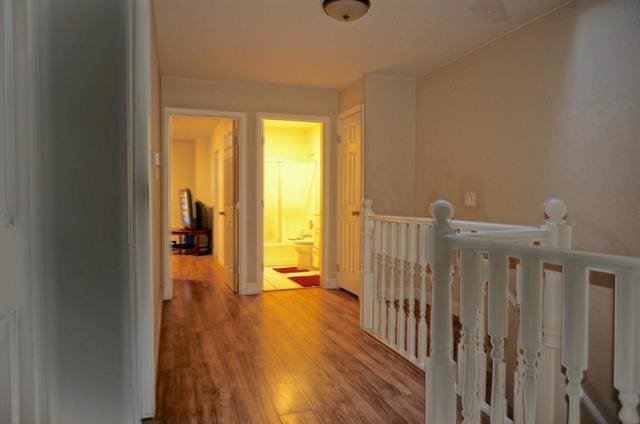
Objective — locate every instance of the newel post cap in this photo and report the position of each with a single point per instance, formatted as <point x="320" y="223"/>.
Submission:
<point x="441" y="210"/>
<point x="556" y="211"/>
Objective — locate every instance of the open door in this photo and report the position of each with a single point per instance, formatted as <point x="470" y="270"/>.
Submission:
<point x="17" y="364"/>
<point x="230" y="211"/>
<point x="350" y="195"/>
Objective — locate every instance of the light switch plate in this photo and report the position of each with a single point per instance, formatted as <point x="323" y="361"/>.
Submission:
<point x="470" y="199"/>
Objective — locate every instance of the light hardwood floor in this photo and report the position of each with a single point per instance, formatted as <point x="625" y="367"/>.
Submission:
<point x="281" y="357"/>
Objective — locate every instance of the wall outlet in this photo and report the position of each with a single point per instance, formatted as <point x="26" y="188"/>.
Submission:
<point x="470" y="199"/>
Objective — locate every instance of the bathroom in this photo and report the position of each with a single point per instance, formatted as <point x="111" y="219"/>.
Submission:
<point x="292" y="204"/>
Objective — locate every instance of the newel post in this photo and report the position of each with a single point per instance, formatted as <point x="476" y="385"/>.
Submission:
<point x="366" y="264"/>
<point x="551" y="406"/>
<point x="441" y="370"/>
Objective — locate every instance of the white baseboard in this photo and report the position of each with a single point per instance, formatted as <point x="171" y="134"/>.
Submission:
<point x="251" y="289"/>
<point x="330" y="283"/>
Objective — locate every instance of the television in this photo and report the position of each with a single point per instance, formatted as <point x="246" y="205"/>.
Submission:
<point x="195" y="215"/>
<point x="186" y="208"/>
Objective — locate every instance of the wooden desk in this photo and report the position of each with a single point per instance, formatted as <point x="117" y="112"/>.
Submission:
<point x="196" y="234"/>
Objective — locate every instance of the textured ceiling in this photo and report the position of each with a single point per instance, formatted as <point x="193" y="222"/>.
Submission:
<point x="292" y="42"/>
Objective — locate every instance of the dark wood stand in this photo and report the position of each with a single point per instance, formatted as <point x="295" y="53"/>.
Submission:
<point x="195" y="249"/>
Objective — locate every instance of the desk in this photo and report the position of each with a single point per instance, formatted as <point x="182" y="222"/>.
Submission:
<point x="196" y="234"/>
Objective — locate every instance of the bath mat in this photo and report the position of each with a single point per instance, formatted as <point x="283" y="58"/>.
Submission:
<point x="290" y="270"/>
<point x="307" y="280"/>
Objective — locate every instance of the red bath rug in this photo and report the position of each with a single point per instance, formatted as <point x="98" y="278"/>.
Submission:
<point x="307" y="280"/>
<point x="290" y="270"/>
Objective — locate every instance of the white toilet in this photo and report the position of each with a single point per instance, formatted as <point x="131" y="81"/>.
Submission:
<point x="304" y="249"/>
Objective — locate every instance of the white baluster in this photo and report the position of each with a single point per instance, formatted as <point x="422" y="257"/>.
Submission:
<point x="422" y="324"/>
<point x="377" y="256"/>
<point x="498" y="267"/>
<point x="384" y="310"/>
<point x="627" y="346"/>
<point x="411" y="321"/>
<point x="574" y="334"/>
<point x="441" y="372"/>
<point x="551" y="401"/>
<point x="402" y="263"/>
<point x="392" y="283"/>
<point x="481" y="334"/>
<point x="530" y="331"/>
<point x="469" y="306"/>
<point x="366" y="271"/>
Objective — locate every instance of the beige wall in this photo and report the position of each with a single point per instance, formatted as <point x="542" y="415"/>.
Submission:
<point x="550" y="110"/>
<point x="351" y="96"/>
<point x="389" y="144"/>
<point x="204" y="171"/>
<point x="252" y="99"/>
<point x="183" y="175"/>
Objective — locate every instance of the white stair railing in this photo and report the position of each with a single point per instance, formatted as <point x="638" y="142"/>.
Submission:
<point x="404" y="256"/>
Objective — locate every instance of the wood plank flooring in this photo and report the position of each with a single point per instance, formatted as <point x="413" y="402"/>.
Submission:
<point x="281" y="357"/>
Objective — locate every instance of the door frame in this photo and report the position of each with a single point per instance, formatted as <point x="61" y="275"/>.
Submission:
<point x="359" y="108"/>
<point x="325" y="281"/>
<point x="241" y="117"/>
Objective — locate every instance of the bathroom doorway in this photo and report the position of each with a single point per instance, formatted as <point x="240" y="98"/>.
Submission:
<point x="292" y="203"/>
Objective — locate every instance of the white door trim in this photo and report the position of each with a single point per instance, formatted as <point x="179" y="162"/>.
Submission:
<point x="351" y="111"/>
<point x="241" y="117"/>
<point x="326" y="192"/>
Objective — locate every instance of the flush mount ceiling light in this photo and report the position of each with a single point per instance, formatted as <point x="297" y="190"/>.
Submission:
<point x="346" y="10"/>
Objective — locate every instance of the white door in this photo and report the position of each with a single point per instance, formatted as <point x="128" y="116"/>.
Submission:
<point x="16" y="307"/>
<point x="230" y="211"/>
<point x="350" y="195"/>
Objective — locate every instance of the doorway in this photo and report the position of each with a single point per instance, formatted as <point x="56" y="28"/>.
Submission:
<point x="201" y="217"/>
<point x="291" y="192"/>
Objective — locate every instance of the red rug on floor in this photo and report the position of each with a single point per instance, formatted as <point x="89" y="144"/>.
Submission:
<point x="290" y="270"/>
<point x="307" y="280"/>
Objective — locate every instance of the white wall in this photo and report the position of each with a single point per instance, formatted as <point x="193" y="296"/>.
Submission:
<point x="550" y="110"/>
<point x="85" y="281"/>
<point x="252" y="99"/>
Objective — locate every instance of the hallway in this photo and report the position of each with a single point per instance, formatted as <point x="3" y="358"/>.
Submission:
<point x="290" y="356"/>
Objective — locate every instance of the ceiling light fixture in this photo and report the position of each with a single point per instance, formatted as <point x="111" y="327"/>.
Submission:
<point x="346" y="10"/>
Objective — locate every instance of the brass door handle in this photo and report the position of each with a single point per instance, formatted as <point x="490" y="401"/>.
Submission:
<point x="221" y="213"/>
<point x="355" y="213"/>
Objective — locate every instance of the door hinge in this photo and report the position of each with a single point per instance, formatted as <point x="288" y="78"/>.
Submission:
<point x="338" y="268"/>
<point x="262" y="140"/>
<point x="238" y="205"/>
<point x="339" y="139"/>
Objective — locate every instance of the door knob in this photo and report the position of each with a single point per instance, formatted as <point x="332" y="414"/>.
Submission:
<point x="221" y="213"/>
<point x="355" y="213"/>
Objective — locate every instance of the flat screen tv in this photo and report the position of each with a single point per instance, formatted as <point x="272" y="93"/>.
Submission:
<point x="186" y="208"/>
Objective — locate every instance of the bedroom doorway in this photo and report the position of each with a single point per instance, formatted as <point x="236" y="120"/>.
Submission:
<point x="201" y="217"/>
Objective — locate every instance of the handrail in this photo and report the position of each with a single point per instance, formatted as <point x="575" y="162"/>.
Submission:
<point x="607" y="263"/>
<point x="402" y="219"/>
<point x="487" y="226"/>
<point x="516" y="235"/>
<point x="462" y="225"/>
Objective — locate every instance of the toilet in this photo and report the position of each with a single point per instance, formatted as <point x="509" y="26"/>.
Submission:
<point x="304" y="249"/>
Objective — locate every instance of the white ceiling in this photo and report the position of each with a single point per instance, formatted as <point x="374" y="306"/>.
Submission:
<point x="292" y="42"/>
